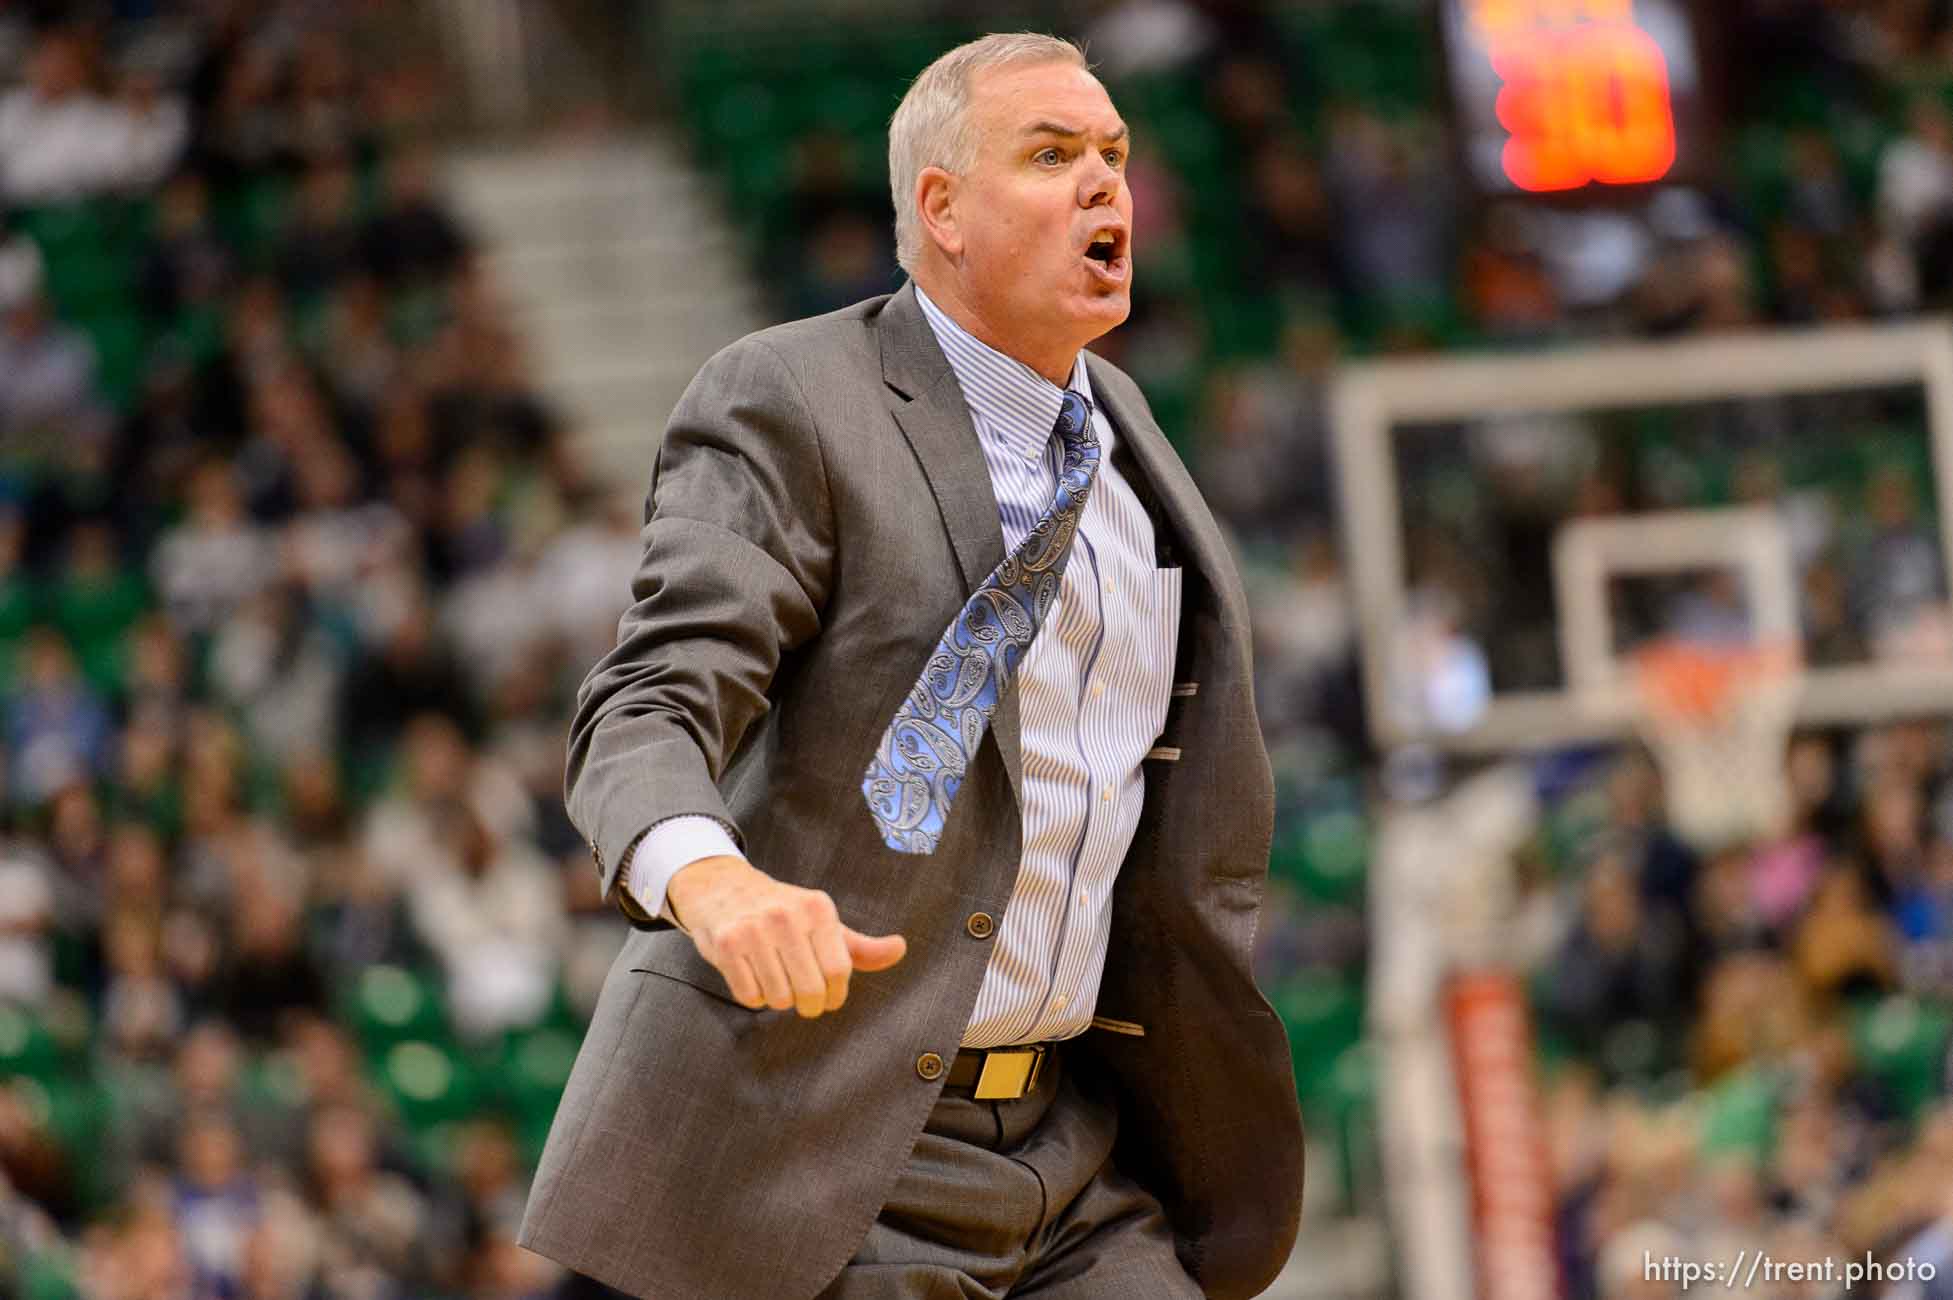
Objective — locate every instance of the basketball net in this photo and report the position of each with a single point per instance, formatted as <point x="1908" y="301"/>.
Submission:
<point x="1717" y="719"/>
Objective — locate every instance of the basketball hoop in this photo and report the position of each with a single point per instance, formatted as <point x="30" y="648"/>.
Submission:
<point x="1717" y="719"/>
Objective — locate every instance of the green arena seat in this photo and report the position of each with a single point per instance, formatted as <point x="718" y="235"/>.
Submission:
<point x="63" y="228"/>
<point x="429" y="1083"/>
<point x="535" y="1069"/>
<point x="1323" y="1013"/>
<point x="1901" y="1041"/>
<point x="1739" y="1115"/>
<point x="744" y="111"/>
<point x="1345" y="1110"/>
<point x="121" y="352"/>
<point x="854" y="104"/>
<point x="1337" y="852"/>
<point x="22" y="603"/>
<point x="391" y="1004"/>
<point x="251" y="215"/>
<point x="49" y="1275"/>
<point x="95" y="615"/>
<point x="26" y="1047"/>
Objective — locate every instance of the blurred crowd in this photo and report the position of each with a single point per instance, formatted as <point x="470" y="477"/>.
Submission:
<point x="295" y="937"/>
<point x="1747" y="1040"/>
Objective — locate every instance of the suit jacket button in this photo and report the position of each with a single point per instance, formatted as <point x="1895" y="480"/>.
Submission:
<point x="980" y="925"/>
<point x="929" y="1066"/>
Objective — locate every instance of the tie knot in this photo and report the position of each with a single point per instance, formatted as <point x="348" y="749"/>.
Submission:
<point x="1072" y="415"/>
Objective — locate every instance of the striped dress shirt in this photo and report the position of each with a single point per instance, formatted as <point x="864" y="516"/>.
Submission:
<point x="1094" y="689"/>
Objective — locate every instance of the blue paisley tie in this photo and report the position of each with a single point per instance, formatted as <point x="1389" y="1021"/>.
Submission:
<point x="928" y="745"/>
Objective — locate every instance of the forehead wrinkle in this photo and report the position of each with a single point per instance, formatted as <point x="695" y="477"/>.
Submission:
<point x="1071" y="132"/>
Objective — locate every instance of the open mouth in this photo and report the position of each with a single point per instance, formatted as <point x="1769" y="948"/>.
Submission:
<point x="1106" y="254"/>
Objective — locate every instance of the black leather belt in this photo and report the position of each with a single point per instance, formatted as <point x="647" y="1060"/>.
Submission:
<point x="998" y="1073"/>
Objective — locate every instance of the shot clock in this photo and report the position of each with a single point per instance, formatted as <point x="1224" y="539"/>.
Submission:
<point x="1575" y="97"/>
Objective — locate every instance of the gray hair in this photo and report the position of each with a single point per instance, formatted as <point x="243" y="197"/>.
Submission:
<point x="931" y="126"/>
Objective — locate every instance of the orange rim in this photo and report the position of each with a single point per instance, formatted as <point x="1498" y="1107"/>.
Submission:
<point x="1693" y="682"/>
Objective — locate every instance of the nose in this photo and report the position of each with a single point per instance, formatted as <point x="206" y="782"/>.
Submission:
<point x="1101" y="184"/>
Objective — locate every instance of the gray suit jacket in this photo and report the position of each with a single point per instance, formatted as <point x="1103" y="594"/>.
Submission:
<point x="820" y="509"/>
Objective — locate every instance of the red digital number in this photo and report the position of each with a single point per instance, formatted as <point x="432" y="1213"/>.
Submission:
<point x="1584" y="104"/>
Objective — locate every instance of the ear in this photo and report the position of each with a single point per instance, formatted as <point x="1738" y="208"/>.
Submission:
<point x="935" y="203"/>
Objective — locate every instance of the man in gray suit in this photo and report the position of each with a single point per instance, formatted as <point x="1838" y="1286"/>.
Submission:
<point x="937" y="671"/>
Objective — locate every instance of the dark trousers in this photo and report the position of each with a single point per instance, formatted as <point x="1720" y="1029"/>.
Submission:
<point x="1017" y="1198"/>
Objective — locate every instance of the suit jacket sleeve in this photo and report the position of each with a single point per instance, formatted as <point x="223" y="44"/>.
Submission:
<point x="738" y="556"/>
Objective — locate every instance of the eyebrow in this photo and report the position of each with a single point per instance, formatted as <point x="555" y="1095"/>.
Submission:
<point x="1072" y="132"/>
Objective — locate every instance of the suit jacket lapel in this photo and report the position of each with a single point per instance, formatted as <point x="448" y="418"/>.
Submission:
<point x="929" y="407"/>
<point x="1162" y="471"/>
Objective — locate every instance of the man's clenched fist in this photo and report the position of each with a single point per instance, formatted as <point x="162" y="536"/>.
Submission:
<point x="776" y="944"/>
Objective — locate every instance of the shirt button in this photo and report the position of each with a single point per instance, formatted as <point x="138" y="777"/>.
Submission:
<point x="929" y="1066"/>
<point x="1083" y="898"/>
<point x="1098" y="689"/>
<point x="1107" y="795"/>
<point x="1108" y="586"/>
<point x="1058" y="1002"/>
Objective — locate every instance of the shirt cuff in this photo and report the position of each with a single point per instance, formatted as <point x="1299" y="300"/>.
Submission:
<point x="665" y="850"/>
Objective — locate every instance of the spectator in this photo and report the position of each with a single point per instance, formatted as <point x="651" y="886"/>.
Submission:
<point x="374" y="1221"/>
<point x="217" y="1202"/>
<point x="57" y="728"/>
<point x="1134" y="37"/>
<point x="147" y="130"/>
<point x="26" y="925"/>
<point x="1391" y="214"/>
<point x="280" y="672"/>
<point x="492" y="911"/>
<point x="587" y="570"/>
<point x="326" y="122"/>
<point x="214" y="561"/>
<point x="47" y="379"/>
<point x="321" y="244"/>
<point x="1289" y="218"/>
<point x="401" y="830"/>
<point x="1844" y="946"/>
<point x="1622" y="961"/>
<point x="248" y="131"/>
<point x="269" y="976"/>
<point x="142" y="1011"/>
<point x="60" y="140"/>
<point x="188" y="268"/>
<point x="409" y="672"/>
<point x="356" y="351"/>
<point x="22" y="269"/>
<point x="1900" y="579"/>
<point x="412" y="239"/>
<point x="139" y="1258"/>
<point x="1915" y="179"/>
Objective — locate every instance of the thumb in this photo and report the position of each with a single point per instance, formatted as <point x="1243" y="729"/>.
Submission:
<point x="869" y="952"/>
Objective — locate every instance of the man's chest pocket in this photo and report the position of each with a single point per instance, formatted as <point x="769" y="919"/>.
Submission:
<point x="1156" y="646"/>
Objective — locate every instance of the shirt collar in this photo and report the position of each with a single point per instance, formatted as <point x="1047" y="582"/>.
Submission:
<point x="1008" y="397"/>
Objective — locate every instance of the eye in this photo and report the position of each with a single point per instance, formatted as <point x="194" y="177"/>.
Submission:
<point x="1114" y="157"/>
<point x="1051" y="154"/>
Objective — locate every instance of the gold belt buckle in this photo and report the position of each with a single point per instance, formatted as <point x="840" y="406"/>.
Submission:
<point x="1008" y="1073"/>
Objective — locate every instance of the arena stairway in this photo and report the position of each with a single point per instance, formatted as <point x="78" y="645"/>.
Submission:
<point x="622" y="273"/>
